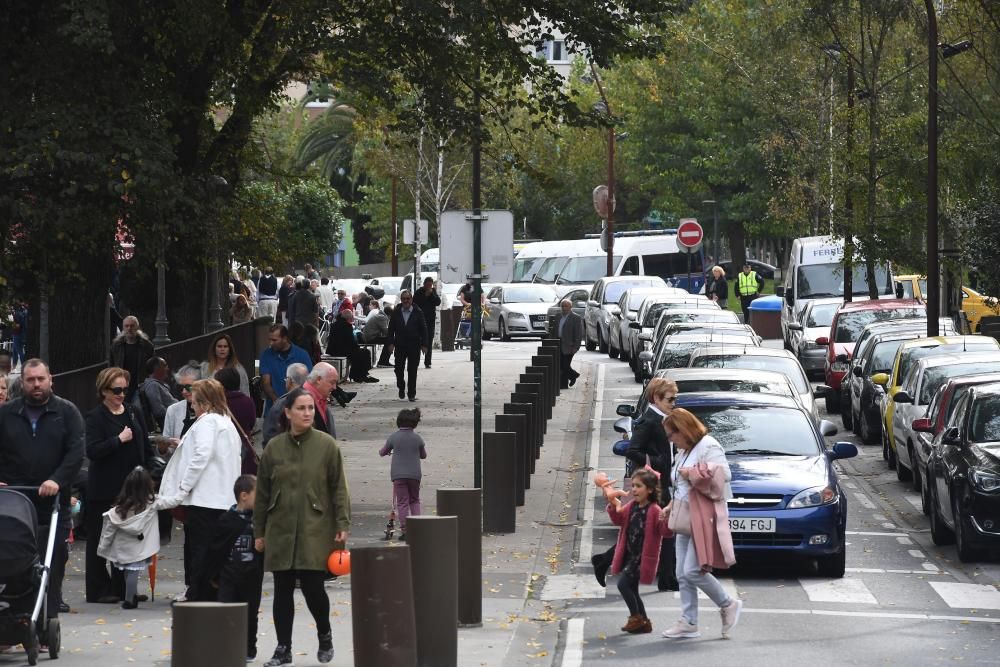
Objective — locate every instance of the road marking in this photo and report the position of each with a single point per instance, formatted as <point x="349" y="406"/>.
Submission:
<point x="880" y="517"/>
<point x="851" y="591"/>
<point x="967" y="596"/>
<point x="878" y="570"/>
<point x="874" y="534"/>
<point x="905" y="541"/>
<point x="863" y="500"/>
<point x="849" y="485"/>
<point x="931" y="567"/>
<point x="587" y="531"/>
<point x="573" y="653"/>
<point x="571" y="587"/>
<point x="916" y="553"/>
<point x="914" y="499"/>
<point x="805" y="612"/>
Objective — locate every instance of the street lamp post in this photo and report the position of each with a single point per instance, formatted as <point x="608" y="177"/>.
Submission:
<point x="933" y="264"/>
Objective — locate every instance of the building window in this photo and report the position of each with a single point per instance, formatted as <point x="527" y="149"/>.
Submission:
<point x="552" y="51"/>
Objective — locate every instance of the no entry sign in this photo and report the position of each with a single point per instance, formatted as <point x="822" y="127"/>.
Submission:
<point x="690" y="234"/>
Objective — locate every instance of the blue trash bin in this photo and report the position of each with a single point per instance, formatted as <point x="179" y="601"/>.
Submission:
<point x="765" y="316"/>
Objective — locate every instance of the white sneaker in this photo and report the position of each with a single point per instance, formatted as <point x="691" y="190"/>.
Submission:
<point x="730" y="616"/>
<point x="681" y="630"/>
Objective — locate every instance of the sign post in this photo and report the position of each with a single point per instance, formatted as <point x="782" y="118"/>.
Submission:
<point x="690" y="236"/>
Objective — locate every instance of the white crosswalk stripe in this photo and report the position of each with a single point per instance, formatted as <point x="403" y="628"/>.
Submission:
<point x="847" y="590"/>
<point x="967" y="596"/>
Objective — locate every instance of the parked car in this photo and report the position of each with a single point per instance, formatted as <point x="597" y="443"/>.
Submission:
<point x="765" y="359"/>
<point x="649" y="314"/>
<point x="918" y="388"/>
<point x="814" y="322"/>
<point x="927" y="428"/>
<point x="909" y="353"/>
<point x="740" y="380"/>
<point x="577" y="296"/>
<point x="390" y="286"/>
<point x="863" y="401"/>
<point x="604" y="301"/>
<point x="964" y="476"/>
<point x="676" y="350"/>
<point x="517" y="310"/>
<point x="848" y="323"/>
<point x="976" y="306"/>
<point x="628" y="307"/>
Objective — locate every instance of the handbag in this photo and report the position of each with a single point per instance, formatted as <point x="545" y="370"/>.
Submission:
<point x="248" y="456"/>
<point x="679" y="520"/>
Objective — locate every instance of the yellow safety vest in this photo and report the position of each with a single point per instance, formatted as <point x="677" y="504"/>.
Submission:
<point x="748" y="283"/>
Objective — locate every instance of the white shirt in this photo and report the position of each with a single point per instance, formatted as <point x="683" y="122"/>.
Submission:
<point x="205" y="465"/>
<point x="173" y="423"/>
<point x="327" y="297"/>
<point x="707" y="450"/>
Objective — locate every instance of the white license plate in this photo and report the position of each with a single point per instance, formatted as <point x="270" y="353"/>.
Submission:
<point x="751" y="524"/>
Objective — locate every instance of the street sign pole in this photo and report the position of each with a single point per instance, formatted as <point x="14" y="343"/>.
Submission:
<point x="477" y="295"/>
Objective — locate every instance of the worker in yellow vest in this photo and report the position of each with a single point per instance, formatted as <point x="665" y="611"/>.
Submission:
<point x="748" y="288"/>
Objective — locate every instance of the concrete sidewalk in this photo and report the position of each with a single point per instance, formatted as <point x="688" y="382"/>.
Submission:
<point x="519" y="627"/>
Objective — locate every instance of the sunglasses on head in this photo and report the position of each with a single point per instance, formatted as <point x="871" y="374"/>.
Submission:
<point x="117" y="391"/>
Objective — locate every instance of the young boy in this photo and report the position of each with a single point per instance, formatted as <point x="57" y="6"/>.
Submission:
<point x="234" y="566"/>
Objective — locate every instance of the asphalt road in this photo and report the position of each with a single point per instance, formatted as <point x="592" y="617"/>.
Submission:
<point x="903" y="600"/>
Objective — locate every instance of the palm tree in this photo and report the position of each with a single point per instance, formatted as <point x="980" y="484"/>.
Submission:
<point x="328" y="141"/>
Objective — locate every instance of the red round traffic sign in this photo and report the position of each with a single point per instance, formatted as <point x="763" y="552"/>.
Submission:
<point x="689" y="233"/>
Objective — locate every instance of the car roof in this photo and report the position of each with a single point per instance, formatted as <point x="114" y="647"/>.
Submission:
<point x="709" y="336"/>
<point x="880" y="304"/>
<point x="619" y="279"/>
<point x="825" y="301"/>
<point x="738" y="399"/>
<point x="979" y="378"/>
<point x="680" y="374"/>
<point x="939" y="340"/>
<point x="755" y="351"/>
<point x="957" y="358"/>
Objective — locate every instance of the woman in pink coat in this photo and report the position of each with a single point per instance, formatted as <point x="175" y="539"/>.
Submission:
<point x="637" y="552"/>
<point x="700" y="476"/>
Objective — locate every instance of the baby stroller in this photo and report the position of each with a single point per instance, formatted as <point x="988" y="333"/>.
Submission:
<point x="463" y="338"/>
<point x="24" y="578"/>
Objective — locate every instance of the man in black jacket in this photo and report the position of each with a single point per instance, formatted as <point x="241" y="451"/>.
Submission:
<point x="428" y="301"/>
<point x="408" y="338"/>
<point x="42" y="445"/>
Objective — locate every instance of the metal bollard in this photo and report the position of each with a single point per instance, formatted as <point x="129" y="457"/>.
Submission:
<point x="548" y="361"/>
<point x="534" y="389"/>
<point x="535" y="417"/>
<point x="209" y="634"/>
<point x="524" y="410"/>
<point x="518" y="425"/>
<point x="382" y="616"/>
<point x="499" y="482"/>
<point x="433" y="542"/>
<point x="467" y="506"/>
<point x="547" y="374"/>
<point x="541" y="379"/>
<point x="553" y="347"/>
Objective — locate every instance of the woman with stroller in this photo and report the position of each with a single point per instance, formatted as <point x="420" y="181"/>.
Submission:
<point x="117" y="442"/>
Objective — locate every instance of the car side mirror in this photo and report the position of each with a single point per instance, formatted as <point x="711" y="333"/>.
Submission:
<point x="579" y="304"/>
<point x="951" y="437"/>
<point x="821" y="390"/>
<point x="823" y="340"/>
<point x="827" y="427"/>
<point x="623" y="425"/>
<point x="593" y="304"/>
<point x="856" y="371"/>
<point x="902" y="397"/>
<point x="494" y="300"/>
<point x="842" y="450"/>
<point x="645" y="356"/>
<point x="779" y="291"/>
<point x="635" y="325"/>
<point x="881" y="379"/>
<point x="922" y="425"/>
<point x="646" y="335"/>
<point x="789" y="298"/>
<point x="794" y="326"/>
<point x="625" y="410"/>
<point x="630" y="316"/>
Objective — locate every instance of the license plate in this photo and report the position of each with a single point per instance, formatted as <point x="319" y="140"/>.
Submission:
<point x="750" y="524"/>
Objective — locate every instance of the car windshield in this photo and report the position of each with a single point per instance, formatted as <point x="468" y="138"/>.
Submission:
<point x="676" y="355"/>
<point x="538" y="294"/>
<point x="917" y="353"/>
<point x="882" y="356"/>
<point x="760" y="362"/>
<point x="550" y="270"/>
<point x="759" y="430"/>
<point x="614" y="290"/>
<point x="850" y="325"/>
<point x="742" y="385"/>
<point x="586" y="270"/>
<point x="707" y="316"/>
<point x="635" y="299"/>
<point x="938" y="375"/>
<point x="816" y="281"/>
<point x="653" y="314"/>
<point x="984" y="422"/>
<point x="907" y="287"/>
<point x="525" y="268"/>
<point x="390" y="285"/>
<point x="821" y="315"/>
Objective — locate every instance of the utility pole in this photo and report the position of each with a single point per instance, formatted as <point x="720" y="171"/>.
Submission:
<point x="395" y="238"/>
<point x="933" y="264"/>
<point x="477" y="295"/>
<point x="610" y="219"/>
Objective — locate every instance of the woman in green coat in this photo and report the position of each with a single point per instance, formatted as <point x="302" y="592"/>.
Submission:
<point x="302" y="513"/>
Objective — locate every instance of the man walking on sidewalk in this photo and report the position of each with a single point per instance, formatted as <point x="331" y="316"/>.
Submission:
<point x="569" y="328"/>
<point x="408" y="337"/>
<point x="428" y="301"/>
<point x="748" y="288"/>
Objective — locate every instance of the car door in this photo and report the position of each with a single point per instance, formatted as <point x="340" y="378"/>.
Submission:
<point x="951" y="459"/>
<point x="594" y="309"/>
<point x="491" y="318"/>
<point x="904" y="411"/>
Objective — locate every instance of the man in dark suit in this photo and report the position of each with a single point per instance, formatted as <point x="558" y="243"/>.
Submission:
<point x="428" y="301"/>
<point x="408" y="338"/>
<point x="569" y="329"/>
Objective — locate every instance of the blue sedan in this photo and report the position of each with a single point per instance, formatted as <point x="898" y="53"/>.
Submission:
<point x="786" y="495"/>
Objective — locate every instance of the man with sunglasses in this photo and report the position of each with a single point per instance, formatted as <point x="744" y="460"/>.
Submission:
<point x="408" y="338"/>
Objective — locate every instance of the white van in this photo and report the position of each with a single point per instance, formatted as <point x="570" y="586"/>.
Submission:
<point x="552" y="254"/>
<point x="816" y="271"/>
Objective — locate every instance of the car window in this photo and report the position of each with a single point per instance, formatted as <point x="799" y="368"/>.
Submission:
<point x="816" y="281"/>
<point x="984" y="419"/>
<point x="936" y="376"/>
<point x="675" y="355"/>
<point x="585" y="270"/>
<point x="528" y="295"/>
<point x="821" y="315"/>
<point x="760" y="362"/>
<point x="615" y="289"/>
<point x="550" y="270"/>
<point x="957" y="412"/>
<point x="882" y="355"/>
<point x="768" y="428"/>
<point x="911" y="355"/>
<point x="959" y="393"/>
<point x="935" y="406"/>
<point x="742" y="385"/>
<point x="850" y="325"/>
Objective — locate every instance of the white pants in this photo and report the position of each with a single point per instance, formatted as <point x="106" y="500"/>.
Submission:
<point x="267" y="308"/>
<point x="691" y="578"/>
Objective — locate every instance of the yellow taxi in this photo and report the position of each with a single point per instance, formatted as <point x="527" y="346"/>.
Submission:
<point x="907" y="355"/>
<point x="974" y="305"/>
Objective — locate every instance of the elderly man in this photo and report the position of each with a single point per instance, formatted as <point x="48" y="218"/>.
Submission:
<point x="407" y="338"/>
<point x="295" y="377"/>
<point x="42" y="446"/>
<point x="569" y="329"/>
<point x="155" y="393"/>
<point x="274" y="361"/>
<point x="132" y="350"/>
<point x="321" y="384"/>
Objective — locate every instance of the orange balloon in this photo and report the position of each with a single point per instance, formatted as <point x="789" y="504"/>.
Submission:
<point x="339" y="562"/>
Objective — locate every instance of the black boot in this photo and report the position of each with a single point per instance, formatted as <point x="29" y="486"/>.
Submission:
<point x="602" y="563"/>
<point x="343" y="397"/>
<point x="282" y="656"/>
<point x="325" y="652"/>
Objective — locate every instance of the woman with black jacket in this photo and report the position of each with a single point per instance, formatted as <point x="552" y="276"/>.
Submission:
<point x="344" y="343"/>
<point x="117" y="442"/>
<point x="719" y="291"/>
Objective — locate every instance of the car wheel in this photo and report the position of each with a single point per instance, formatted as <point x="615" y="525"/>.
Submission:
<point x="865" y="431"/>
<point x="833" y="565"/>
<point x="832" y="403"/>
<point x="914" y="466"/>
<point x="625" y="356"/>
<point x="966" y="552"/>
<point x="591" y="346"/>
<point x="925" y="495"/>
<point x="940" y="533"/>
<point x="847" y="415"/>
<point x="612" y="351"/>
<point x="892" y="460"/>
<point x="504" y="335"/>
<point x="602" y="345"/>
<point x="637" y="372"/>
<point x="903" y="474"/>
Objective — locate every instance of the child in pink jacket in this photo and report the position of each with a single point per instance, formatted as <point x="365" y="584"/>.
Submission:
<point x="637" y="553"/>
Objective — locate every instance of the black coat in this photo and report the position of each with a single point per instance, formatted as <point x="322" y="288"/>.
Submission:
<point x="111" y="460"/>
<point x="650" y="439"/>
<point x="428" y="304"/>
<point x="342" y="342"/>
<point x="54" y="451"/>
<point x="720" y="289"/>
<point x="412" y="334"/>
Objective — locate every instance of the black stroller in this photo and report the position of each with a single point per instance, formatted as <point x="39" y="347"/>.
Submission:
<point x="24" y="578"/>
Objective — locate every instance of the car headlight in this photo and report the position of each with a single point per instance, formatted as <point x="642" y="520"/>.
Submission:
<point x="814" y="497"/>
<point x="516" y="316"/>
<point x="987" y="482"/>
<point x="840" y="366"/>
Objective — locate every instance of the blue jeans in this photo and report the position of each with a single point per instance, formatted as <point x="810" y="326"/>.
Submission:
<point x="691" y="578"/>
<point x="18" y="352"/>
